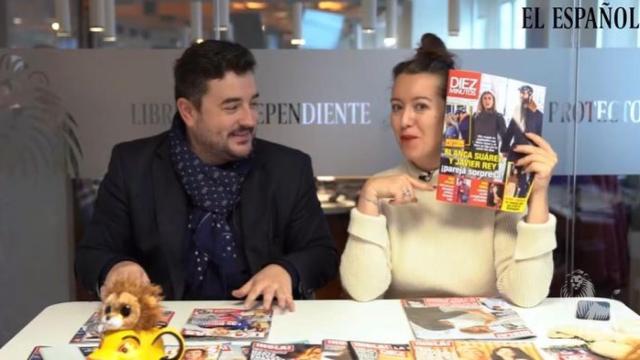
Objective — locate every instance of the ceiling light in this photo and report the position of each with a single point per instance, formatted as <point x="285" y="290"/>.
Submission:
<point x="238" y="6"/>
<point x="62" y="11"/>
<point x="391" y="13"/>
<point x="110" y="21"/>
<point x="221" y="15"/>
<point x="369" y="10"/>
<point x="96" y="15"/>
<point x="196" y="21"/>
<point x="297" y="10"/>
<point x="331" y="5"/>
<point x="256" y="5"/>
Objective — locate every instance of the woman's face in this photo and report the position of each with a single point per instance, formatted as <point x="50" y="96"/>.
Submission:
<point x="470" y="353"/>
<point x="194" y="354"/>
<point x="417" y="113"/>
<point x="487" y="101"/>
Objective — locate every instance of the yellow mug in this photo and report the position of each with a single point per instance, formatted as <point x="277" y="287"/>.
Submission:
<point x="140" y="345"/>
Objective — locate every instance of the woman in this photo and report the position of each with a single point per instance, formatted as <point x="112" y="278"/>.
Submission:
<point x="451" y="129"/>
<point x="195" y="354"/>
<point x="494" y="198"/>
<point x="403" y="243"/>
<point x="509" y="353"/>
<point x="487" y="125"/>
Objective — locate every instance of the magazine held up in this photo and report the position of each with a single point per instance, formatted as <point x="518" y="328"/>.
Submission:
<point x="486" y="117"/>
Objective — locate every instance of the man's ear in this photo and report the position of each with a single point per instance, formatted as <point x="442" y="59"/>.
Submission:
<point x="187" y="111"/>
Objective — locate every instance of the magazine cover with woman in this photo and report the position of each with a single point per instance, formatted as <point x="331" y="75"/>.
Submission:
<point x="486" y="117"/>
<point x="460" y="350"/>
<point x="464" y="318"/>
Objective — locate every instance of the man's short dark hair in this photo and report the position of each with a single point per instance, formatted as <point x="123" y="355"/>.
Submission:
<point x="208" y="60"/>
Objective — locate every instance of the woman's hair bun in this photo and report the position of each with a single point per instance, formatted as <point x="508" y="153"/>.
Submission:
<point x="433" y="48"/>
<point x="431" y="42"/>
<point x="432" y="57"/>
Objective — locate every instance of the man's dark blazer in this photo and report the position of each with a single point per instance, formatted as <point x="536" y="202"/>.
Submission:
<point x="141" y="215"/>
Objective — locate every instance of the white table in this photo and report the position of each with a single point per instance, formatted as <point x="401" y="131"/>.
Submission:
<point x="313" y="320"/>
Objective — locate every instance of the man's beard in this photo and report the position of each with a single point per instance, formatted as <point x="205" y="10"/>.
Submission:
<point x="227" y="150"/>
<point x="221" y="150"/>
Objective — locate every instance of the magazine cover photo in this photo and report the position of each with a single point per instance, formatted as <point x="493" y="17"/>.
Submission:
<point x="486" y="116"/>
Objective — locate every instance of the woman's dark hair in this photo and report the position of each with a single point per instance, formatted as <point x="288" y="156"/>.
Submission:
<point x="432" y="57"/>
<point x="518" y="353"/>
<point x="208" y="60"/>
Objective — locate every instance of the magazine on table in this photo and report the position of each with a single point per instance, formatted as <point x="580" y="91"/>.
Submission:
<point x="471" y="349"/>
<point x="91" y="331"/>
<point x="464" y="318"/>
<point x="232" y="351"/>
<point x="378" y="351"/>
<point x="195" y="352"/>
<point x="336" y="350"/>
<point x="486" y="117"/>
<point x="434" y="350"/>
<point x="192" y="352"/>
<point x="300" y="351"/>
<point x="228" y="324"/>
<point x="570" y="352"/>
<point x="37" y="352"/>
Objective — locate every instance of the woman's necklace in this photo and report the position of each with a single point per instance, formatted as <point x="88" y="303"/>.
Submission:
<point x="426" y="176"/>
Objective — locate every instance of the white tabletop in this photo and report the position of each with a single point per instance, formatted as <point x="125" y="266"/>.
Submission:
<point x="313" y="321"/>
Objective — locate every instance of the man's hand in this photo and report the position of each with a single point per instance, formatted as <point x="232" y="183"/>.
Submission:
<point x="126" y="269"/>
<point x="272" y="281"/>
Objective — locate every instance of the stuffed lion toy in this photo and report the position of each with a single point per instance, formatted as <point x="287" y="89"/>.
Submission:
<point x="130" y="305"/>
